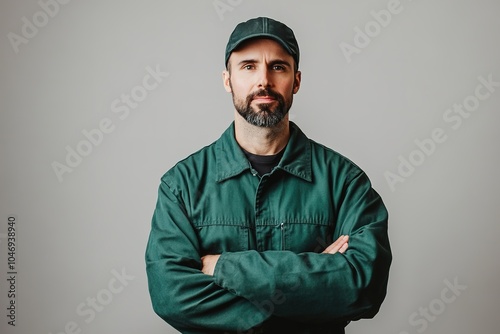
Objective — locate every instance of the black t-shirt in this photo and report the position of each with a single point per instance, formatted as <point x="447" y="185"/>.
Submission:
<point x="263" y="164"/>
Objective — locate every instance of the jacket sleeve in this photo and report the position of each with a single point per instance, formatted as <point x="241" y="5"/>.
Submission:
<point x="180" y="293"/>
<point x="321" y="287"/>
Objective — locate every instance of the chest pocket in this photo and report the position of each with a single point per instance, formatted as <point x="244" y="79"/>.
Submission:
<point x="295" y="236"/>
<point x="222" y="214"/>
<point x="306" y="236"/>
<point x="220" y="237"/>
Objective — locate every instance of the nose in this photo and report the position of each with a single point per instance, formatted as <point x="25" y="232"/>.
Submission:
<point x="264" y="77"/>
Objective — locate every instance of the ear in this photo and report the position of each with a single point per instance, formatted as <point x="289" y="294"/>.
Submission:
<point x="226" y="81"/>
<point x="296" y="82"/>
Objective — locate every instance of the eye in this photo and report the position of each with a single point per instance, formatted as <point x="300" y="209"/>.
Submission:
<point x="248" y="67"/>
<point x="278" y="67"/>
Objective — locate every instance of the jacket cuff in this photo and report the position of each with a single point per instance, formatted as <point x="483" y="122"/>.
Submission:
<point x="223" y="269"/>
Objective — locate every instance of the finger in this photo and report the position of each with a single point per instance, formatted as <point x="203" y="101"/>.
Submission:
<point x="343" y="248"/>
<point x="336" y="246"/>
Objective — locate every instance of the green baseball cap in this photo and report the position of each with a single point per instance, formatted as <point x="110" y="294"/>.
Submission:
<point x="263" y="27"/>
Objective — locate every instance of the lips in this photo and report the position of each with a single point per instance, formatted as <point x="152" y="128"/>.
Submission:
<point x="264" y="99"/>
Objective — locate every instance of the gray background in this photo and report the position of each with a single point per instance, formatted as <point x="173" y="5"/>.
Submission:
<point x="72" y="234"/>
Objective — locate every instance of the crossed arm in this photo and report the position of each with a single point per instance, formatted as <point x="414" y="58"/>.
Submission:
<point x="340" y="245"/>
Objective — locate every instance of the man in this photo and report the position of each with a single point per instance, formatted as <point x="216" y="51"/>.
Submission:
<point x="241" y="238"/>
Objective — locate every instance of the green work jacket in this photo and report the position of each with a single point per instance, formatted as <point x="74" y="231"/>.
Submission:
<point x="270" y="230"/>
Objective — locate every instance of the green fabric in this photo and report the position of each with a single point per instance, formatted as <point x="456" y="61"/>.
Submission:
<point x="270" y="231"/>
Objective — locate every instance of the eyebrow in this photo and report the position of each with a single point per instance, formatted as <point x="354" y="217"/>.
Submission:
<point x="273" y="62"/>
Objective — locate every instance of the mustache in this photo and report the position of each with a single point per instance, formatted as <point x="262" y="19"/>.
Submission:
<point x="266" y="92"/>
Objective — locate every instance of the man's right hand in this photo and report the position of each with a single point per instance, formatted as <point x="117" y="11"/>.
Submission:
<point x="340" y="245"/>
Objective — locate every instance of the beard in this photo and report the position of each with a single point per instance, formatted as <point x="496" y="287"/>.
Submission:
<point x="265" y="115"/>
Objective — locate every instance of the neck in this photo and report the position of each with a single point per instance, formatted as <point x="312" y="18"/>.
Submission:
<point x="259" y="140"/>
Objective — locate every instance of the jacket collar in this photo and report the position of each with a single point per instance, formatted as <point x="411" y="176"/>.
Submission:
<point x="231" y="160"/>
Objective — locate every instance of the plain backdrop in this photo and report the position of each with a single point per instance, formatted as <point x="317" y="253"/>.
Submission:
<point x="66" y="69"/>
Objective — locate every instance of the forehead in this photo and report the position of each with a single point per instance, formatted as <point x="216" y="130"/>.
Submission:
<point x="259" y="47"/>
